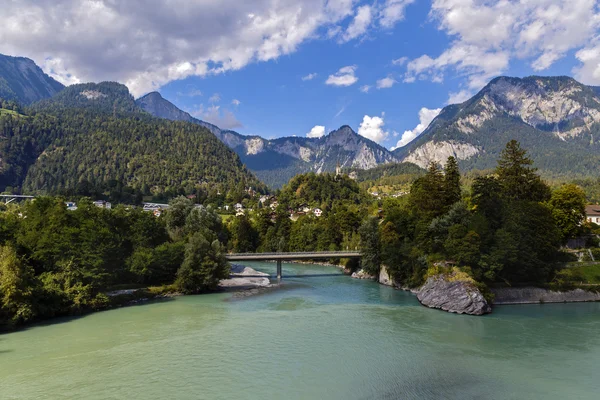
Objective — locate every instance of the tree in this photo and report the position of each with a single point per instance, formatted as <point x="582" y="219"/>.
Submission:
<point x="244" y="236"/>
<point x="203" y="267"/>
<point x="568" y="209"/>
<point x="517" y="179"/>
<point x="177" y="214"/>
<point x="452" y="181"/>
<point x="370" y="245"/>
<point x="17" y="286"/>
<point x="427" y="195"/>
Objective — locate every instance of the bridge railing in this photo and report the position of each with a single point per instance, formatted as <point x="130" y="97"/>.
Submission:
<point x="297" y="253"/>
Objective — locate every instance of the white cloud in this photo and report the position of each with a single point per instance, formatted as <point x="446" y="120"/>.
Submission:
<point x="344" y="77"/>
<point x="393" y="11"/>
<point x="426" y="115"/>
<point x="316" y="132"/>
<point x="488" y="34"/>
<point x="236" y="102"/>
<point x="146" y="46"/>
<point x="215" y="98"/>
<point x="224" y="119"/>
<point x="360" y="24"/>
<point x="400" y="61"/>
<point x="386" y="83"/>
<point x="365" y="88"/>
<point x="309" y="77"/>
<point x="589" y="71"/>
<point x="460" y="96"/>
<point x="372" y="128"/>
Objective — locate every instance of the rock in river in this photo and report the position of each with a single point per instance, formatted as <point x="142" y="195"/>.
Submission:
<point x="456" y="296"/>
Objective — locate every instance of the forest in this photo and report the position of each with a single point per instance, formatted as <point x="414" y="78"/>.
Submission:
<point x="72" y="145"/>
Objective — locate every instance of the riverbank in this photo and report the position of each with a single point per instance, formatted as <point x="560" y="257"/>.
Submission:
<point x="534" y="295"/>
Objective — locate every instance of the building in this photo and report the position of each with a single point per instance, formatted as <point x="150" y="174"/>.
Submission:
<point x="592" y="213"/>
<point x="274" y="205"/>
<point x="71" y="206"/>
<point x="103" y="204"/>
<point x="318" y="212"/>
<point x="238" y="207"/>
<point x="304" y="208"/>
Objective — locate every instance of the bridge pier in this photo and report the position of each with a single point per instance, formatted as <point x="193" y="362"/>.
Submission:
<point x="279" y="270"/>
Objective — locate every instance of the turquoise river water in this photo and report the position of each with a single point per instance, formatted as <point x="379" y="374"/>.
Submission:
<point x="314" y="337"/>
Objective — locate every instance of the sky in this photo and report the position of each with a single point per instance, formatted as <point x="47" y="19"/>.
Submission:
<point x="306" y="67"/>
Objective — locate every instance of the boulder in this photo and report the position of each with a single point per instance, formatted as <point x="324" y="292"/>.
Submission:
<point x="384" y="277"/>
<point x="453" y="295"/>
<point x="362" y="274"/>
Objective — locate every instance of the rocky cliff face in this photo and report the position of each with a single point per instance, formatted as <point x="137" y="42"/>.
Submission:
<point x="23" y="81"/>
<point x="455" y="296"/>
<point x="555" y="118"/>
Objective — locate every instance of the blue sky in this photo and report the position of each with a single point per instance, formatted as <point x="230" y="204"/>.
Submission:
<point x="241" y="65"/>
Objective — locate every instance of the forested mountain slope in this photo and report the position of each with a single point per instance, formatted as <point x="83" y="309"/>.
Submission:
<point x="21" y="80"/>
<point x="556" y="118"/>
<point x="92" y="133"/>
<point x="277" y="161"/>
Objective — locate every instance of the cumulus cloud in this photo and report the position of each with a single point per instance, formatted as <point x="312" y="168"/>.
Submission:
<point x="236" y="102"/>
<point x="426" y="115"/>
<point x="344" y="77"/>
<point x="386" y="83"/>
<point x="309" y="77"/>
<point x="459" y="97"/>
<point x="372" y="128"/>
<point x="487" y="35"/>
<point x="146" y="47"/>
<point x="316" y="132"/>
<point x="393" y="11"/>
<point x="224" y="119"/>
<point x="400" y="61"/>
<point x="360" y="24"/>
<point x="215" y="98"/>
<point x="365" y="88"/>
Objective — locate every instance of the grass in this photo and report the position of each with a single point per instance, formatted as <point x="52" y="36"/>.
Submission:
<point x="11" y="112"/>
<point x="590" y="271"/>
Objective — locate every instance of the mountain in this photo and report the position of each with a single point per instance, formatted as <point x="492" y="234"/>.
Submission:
<point x="276" y="161"/>
<point x="104" y="97"/>
<point x="557" y="119"/>
<point x="95" y="136"/>
<point x="21" y="80"/>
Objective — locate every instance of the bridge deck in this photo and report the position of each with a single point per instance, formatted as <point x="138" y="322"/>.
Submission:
<point x="292" y="256"/>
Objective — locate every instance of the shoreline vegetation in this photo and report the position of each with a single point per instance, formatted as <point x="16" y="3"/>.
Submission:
<point x="508" y="229"/>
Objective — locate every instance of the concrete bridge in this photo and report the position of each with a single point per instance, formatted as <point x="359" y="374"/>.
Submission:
<point x="280" y="257"/>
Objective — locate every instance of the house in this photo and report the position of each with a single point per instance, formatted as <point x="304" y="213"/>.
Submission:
<point x="239" y="212"/>
<point x="318" y="212"/>
<point x="71" y="206"/>
<point x="592" y="213"/>
<point x="226" y="207"/>
<point x="157" y="212"/>
<point x="238" y="207"/>
<point x="103" y="204"/>
<point x="274" y="205"/>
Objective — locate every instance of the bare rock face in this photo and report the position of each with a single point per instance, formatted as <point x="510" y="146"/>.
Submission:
<point x="362" y="274"/>
<point x="384" y="277"/>
<point x="456" y="296"/>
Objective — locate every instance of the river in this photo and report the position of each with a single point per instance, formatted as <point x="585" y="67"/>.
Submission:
<point x="314" y="337"/>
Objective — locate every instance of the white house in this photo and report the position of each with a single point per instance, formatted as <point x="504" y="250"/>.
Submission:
<point x="592" y="214"/>
<point x="103" y="204"/>
<point x="238" y="207"/>
<point x="318" y="212"/>
<point x="273" y="205"/>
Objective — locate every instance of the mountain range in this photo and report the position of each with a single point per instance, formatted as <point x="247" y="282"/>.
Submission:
<point x="556" y="118"/>
<point x="276" y="161"/>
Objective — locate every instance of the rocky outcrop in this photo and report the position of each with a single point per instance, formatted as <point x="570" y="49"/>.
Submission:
<point x="362" y="274"/>
<point x="456" y="296"/>
<point x="439" y="152"/>
<point x="384" y="277"/>
<point x="533" y="295"/>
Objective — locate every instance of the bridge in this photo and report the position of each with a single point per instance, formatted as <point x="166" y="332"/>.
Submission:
<point x="9" y="198"/>
<point x="280" y="257"/>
